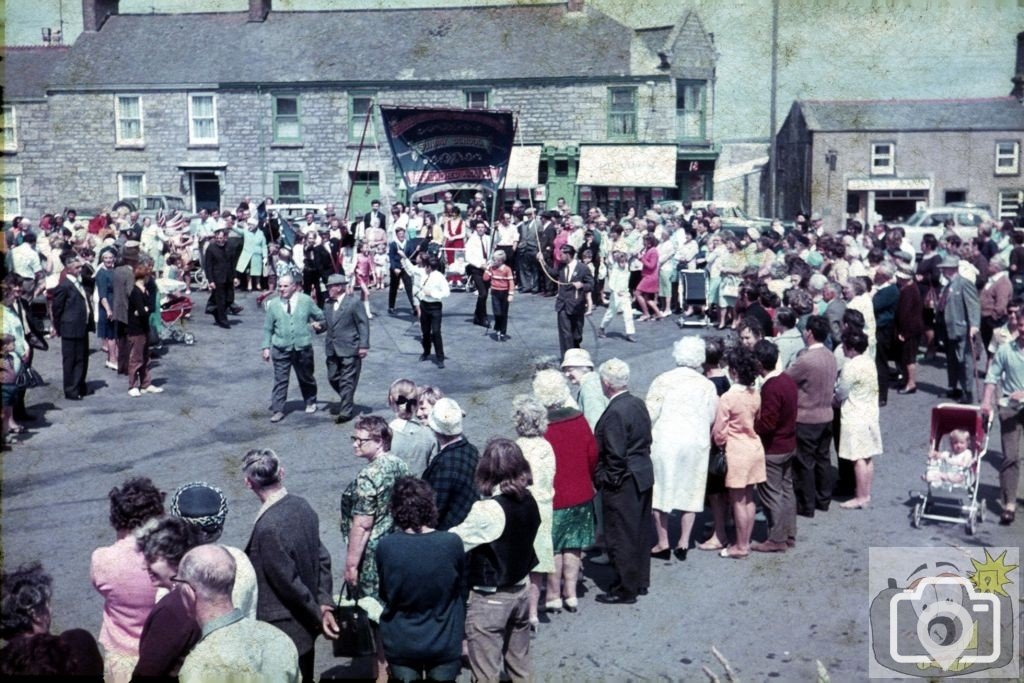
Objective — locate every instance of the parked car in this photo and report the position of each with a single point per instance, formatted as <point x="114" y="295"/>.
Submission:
<point x="931" y="220"/>
<point x="732" y="214"/>
<point x="970" y="205"/>
<point x="153" y="203"/>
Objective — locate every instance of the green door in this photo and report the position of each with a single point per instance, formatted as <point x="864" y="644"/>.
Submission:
<point x="561" y="182"/>
<point x="365" y="189"/>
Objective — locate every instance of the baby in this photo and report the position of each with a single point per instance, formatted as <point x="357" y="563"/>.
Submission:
<point x="952" y="466"/>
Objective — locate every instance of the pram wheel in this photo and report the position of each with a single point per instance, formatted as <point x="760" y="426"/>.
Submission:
<point x="915" y="518"/>
<point x="972" y="524"/>
<point x="189" y="339"/>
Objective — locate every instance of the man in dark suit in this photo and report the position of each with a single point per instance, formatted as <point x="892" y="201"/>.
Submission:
<point x="396" y="248"/>
<point x="574" y="281"/>
<point x="219" y="265"/>
<point x="375" y="218"/>
<point x="625" y="478"/>
<point x="548" y="232"/>
<point x="347" y="342"/>
<point x="293" y="568"/>
<point x="71" y="312"/>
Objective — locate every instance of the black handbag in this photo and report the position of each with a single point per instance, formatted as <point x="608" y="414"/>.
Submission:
<point x="355" y="634"/>
<point x="28" y="378"/>
<point x="717" y="466"/>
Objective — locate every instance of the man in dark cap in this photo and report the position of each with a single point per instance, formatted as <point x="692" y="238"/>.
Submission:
<point x="347" y="342"/>
<point x="574" y="282"/>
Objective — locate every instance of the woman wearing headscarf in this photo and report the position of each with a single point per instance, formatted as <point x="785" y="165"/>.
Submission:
<point x="531" y="421"/>
<point x="682" y="404"/>
<point x="572" y="522"/>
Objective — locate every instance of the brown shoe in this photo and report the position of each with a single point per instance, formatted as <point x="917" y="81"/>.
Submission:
<point x="769" y="547"/>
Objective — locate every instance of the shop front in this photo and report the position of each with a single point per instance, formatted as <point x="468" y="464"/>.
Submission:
<point x="886" y="199"/>
<point x="616" y="178"/>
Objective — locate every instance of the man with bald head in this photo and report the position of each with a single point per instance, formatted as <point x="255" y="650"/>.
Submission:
<point x="232" y="645"/>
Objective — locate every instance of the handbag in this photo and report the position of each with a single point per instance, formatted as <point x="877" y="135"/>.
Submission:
<point x="931" y="298"/>
<point x="355" y="634"/>
<point x="717" y="465"/>
<point x="28" y="378"/>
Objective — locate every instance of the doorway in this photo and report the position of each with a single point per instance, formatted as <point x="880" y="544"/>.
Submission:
<point x="205" y="191"/>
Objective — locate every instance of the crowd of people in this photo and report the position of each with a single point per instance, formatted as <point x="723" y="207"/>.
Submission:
<point x="483" y="540"/>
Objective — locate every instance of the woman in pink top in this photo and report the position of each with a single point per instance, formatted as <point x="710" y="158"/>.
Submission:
<point x="120" y="575"/>
<point x="744" y="453"/>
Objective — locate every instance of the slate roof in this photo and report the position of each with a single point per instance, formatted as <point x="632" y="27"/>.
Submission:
<point x="996" y="113"/>
<point x="27" y="70"/>
<point x="357" y="46"/>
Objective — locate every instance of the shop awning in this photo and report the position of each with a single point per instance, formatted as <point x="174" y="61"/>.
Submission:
<point x="523" y="167"/>
<point x="627" y="166"/>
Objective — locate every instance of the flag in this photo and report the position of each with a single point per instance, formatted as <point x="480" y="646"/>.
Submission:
<point x="446" y="149"/>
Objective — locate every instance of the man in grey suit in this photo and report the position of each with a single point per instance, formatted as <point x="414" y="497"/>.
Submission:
<point x="625" y="478"/>
<point x="347" y="342"/>
<point x="961" y="313"/>
<point x="293" y="568"/>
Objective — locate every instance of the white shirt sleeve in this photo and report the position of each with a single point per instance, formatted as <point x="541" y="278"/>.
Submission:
<point x="484" y="524"/>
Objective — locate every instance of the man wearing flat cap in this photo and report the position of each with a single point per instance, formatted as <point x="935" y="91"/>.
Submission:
<point x="347" y="342"/>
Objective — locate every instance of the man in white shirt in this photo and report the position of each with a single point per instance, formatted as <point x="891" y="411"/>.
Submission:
<point x="478" y="253"/>
<point x="25" y="259"/>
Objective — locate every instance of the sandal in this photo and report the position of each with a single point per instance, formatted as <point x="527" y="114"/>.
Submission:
<point x="708" y="545"/>
<point x="728" y="554"/>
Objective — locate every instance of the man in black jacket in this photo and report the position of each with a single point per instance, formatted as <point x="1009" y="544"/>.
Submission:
<point x="71" y="312"/>
<point x="293" y="568"/>
<point x="548" y="232"/>
<point x="317" y="265"/>
<point x="219" y="265"/>
<point x="625" y="477"/>
<point x="574" y="281"/>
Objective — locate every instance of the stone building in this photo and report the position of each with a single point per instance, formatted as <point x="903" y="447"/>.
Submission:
<point x="885" y="159"/>
<point x="219" y="106"/>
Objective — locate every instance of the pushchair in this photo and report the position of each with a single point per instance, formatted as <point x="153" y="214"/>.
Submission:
<point x="955" y="501"/>
<point x="175" y="308"/>
<point x="455" y="271"/>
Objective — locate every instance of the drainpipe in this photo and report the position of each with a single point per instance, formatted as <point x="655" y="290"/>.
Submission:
<point x="263" y="150"/>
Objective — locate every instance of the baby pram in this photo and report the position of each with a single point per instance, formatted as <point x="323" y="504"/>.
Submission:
<point x="955" y="498"/>
<point x="175" y="308"/>
<point x="456" y="270"/>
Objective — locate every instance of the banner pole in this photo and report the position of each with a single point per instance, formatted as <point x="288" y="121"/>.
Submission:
<point x="359" y="154"/>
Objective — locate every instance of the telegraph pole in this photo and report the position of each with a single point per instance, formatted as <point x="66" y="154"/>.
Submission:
<point x="772" y="156"/>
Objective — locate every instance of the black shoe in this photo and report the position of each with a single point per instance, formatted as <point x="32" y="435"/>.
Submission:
<point x="809" y="514"/>
<point x="424" y="356"/>
<point x="680" y="554"/>
<point x="73" y="397"/>
<point x="236" y="309"/>
<point x="391" y="311"/>
<point x="966" y="399"/>
<point x="342" y="419"/>
<point x="665" y="554"/>
<point x="906" y="391"/>
<point x="882" y="402"/>
<point x="616" y="599"/>
<point x="822" y="506"/>
<point x="1007" y="517"/>
<point x="642" y="591"/>
<point x="224" y="326"/>
<point x="440" y="363"/>
<point x="954" y="393"/>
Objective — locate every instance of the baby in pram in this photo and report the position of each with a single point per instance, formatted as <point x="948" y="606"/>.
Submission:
<point x="952" y="466"/>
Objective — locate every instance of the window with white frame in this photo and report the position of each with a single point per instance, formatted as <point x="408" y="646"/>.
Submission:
<point x="358" y="114"/>
<point x="202" y="119"/>
<point x="1007" y="157"/>
<point x="286" y="119"/>
<point x="10" y="129"/>
<point x="12" y="196"/>
<point x="128" y="119"/>
<point x="477" y="99"/>
<point x="1011" y="203"/>
<point x="622" y="113"/>
<point x="131" y="186"/>
<point x="883" y="158"/>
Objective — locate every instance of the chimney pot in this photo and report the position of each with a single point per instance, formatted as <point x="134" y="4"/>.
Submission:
<point x="258" y="10"/>
<point x="1018" y="78"/>
<point x="574" y="6"/>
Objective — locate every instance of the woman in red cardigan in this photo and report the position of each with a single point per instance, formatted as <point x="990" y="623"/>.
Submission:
<point x="575" y="449"/>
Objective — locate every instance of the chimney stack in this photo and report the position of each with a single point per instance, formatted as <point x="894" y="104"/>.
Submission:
<point x="574" y="6"/>
<point x="258" y="10"/>
<point x="1018" y="79"/>
<point x="95" y="13"/>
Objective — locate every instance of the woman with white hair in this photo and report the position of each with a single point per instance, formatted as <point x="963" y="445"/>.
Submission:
<point x="531" y="420"/>
<point x="572" y="523"/>
<point x="682" y="404"/>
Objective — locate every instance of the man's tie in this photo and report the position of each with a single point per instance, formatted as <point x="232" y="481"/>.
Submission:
<point x="288" y="306"/>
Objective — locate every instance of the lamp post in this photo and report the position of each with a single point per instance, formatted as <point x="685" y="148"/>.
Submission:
<point x="772" y="160"/>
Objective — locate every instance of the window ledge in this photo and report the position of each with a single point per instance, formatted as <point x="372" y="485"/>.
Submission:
<point x="130" y="145"/>
<point x="9" y="150"/>
<point x="203" y="145"/>
<point x="287" y="144"/>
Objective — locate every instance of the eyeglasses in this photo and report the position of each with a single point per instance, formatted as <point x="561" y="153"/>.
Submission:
<point x="361" y="440"/>
<point x="175" y="579"/>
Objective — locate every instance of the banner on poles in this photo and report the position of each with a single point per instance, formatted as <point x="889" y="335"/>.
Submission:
<point x="449" y="149"/>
